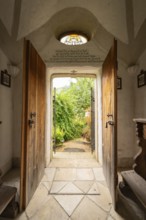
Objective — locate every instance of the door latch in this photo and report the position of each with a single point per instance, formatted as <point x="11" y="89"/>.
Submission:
<point x="32" y="114"/>
<point x="31" y="121"/>
<point x="109" y="123"/>
<point x="110" y="115"/>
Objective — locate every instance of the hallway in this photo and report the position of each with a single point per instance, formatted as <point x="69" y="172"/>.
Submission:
<point x="32" y="53"/>
<point x="72" y="189"/>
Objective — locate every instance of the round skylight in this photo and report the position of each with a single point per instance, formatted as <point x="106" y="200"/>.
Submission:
<point x="73" y="39"/>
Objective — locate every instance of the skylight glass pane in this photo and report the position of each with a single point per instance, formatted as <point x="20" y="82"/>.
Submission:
<point x="73" y="39"/>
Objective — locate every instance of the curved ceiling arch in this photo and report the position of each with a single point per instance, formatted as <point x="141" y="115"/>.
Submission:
<point x="43" y="21"/>
<point x="74" y="19"/>
<point x="34" y="15"/>
<point x="111" y="14"/>
<point x="69" y="19"/>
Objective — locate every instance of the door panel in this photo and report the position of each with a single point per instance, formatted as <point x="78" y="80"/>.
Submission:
<point x="109" y="118"/>
<point x="33" y="123"/>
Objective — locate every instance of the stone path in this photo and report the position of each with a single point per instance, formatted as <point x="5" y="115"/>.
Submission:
<point x="78" y="145"/>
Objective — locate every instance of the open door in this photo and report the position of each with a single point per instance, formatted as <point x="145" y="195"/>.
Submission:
<point x="109" y="119"/>
<point x="33" y="123"/>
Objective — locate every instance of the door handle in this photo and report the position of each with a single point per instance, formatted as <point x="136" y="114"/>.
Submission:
<point x="31" y="122"/>
<point x="32" y="114"/>
<point x="109" y="123"/>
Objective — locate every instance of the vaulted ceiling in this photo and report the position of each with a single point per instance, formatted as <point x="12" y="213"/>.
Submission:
<point x="42" y="21"/>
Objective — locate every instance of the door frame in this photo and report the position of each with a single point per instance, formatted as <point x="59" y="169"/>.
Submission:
<point x="95" y="73"/>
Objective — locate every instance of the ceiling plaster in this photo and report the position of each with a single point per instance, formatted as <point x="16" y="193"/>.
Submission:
<point x="45" y="38"/>
<point x="6" y="13"/>
<point x="139" y="14"/>
<point x="42" y="21"/>
<point x="110" y="13"/>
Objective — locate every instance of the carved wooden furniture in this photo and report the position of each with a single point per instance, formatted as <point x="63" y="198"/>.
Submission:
<point x="140" y="158"/>
<point x="134" y="181"/>
<point x="137" y="184"/>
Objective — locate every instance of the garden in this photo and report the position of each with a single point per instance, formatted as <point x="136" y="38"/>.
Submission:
<point x="71" y="111"/>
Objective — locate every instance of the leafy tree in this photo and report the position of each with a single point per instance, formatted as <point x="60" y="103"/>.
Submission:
<point x="80" y="92"/>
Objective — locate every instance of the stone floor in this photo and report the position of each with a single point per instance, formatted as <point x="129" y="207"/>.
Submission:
<point x="71" y="189"/>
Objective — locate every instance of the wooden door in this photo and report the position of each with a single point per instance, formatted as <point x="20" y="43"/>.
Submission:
<point x="33" y="123"/>
<point x="109" y="118"/>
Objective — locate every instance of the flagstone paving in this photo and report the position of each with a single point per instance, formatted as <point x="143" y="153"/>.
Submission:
<point x="71" y="189"/>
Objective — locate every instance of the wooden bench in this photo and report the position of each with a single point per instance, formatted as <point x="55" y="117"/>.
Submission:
<point x="133" y="188"/>
<point x="8" y="206"/>
<point x="137" y="184"/>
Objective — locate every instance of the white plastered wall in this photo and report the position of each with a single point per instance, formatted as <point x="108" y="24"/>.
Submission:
<point x="125" y="99"/>
<point x="6" y="116"/>
<point x="17" y="117"/>
<point x="140" y="93"/>
<point x="140" y="96"/>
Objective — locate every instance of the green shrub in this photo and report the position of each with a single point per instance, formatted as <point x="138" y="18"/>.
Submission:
<point x="59" y="136"/>
<point x="70" y="106"/>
